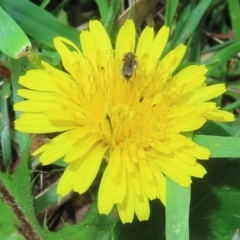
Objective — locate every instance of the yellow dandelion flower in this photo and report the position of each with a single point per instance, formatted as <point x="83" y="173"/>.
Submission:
<point x="127" y="104"/>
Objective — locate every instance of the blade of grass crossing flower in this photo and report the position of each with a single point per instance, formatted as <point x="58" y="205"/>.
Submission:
<point x="220" y="147"/>
<point x="37" y="22"/>
<point x="177" y="211"/>
<point x="14" y="42"/>
<point x="5" y="130"/>
<point x="234" y="8"/>
<point x="170" y="12"/>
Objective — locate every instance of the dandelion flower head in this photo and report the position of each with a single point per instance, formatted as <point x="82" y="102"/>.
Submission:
<point x="139" y="120"/>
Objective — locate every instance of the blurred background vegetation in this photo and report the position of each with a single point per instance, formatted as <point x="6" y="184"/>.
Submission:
<point x="29" y="204"/>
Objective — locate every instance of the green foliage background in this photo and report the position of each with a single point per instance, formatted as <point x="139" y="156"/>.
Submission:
<point x="211" y="208"/>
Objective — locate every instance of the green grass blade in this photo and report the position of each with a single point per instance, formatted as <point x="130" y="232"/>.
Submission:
<point x="5" y="129"/>
<point x="194" y="47"/>
<point x="109" y="14"/>
<point x="177" y="211"/>
<point x="112" y="15"/>
<point x="234" y="9"/>
<point x="21" y="138"/>
<point x="220" y="147"/>
<point x="232" y="106"/>
<point x="189" y="24"/>
<point x="225" y="54"/>
<point x="14" y="41"/>
<point x="46" y="199"/>
<point x="38" y="23"/>
<point x="103" y="9"/>
<point x="222" y="57"/>
<point x="170" y="11"/>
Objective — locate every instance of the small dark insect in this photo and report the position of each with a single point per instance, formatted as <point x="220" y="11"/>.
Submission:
<point x="129" y="65"/>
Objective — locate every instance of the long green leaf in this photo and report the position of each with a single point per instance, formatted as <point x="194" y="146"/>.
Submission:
<point x="5" y="129"/>
<point x="220" y="147"/>
<point x="14" y="42"/>
<point x="170" y="11"/>
<point x="225" y="54"/>
<point x="177" y="211"/>
<point x="37" y="22"/>
<point x="234" y="8"/>
<point x="103" y="9"/>
<point x="20" y="138"/>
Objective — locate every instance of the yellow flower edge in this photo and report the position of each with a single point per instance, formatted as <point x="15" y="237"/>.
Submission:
<point x="139" y="121"/>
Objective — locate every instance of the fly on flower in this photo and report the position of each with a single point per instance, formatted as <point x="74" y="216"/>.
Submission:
<point x="129" y="65"/>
